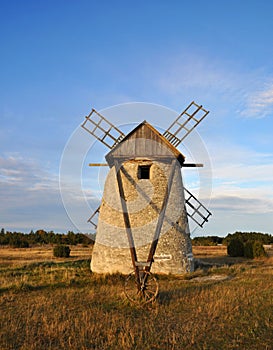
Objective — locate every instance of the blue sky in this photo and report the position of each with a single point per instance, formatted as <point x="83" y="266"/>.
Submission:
<point x="61" y="58"/>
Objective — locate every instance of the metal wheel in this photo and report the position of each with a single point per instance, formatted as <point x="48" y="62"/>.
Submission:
<point x="142" y="292"/>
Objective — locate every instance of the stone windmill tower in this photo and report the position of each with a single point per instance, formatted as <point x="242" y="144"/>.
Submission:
<point x="143" y="216"/>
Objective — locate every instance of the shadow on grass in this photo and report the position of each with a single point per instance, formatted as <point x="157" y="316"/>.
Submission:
<point x="28" y="287"/>
<point x="218" y="261"/>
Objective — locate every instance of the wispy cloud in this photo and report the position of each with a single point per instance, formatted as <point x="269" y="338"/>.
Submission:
<point x="30" y="194"/>
<point x="242" y="205"/>
<point x="241" y="185"/>
<point x="201" y="76"/>
<point x="259" y="104"/>
<point x="188" y="71"/>
<point x="26" y="173"/>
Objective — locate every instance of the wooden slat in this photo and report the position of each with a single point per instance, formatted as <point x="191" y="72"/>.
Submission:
<point x="106" y="132"/>
<point x="173" y="133"/>
<point x="92" y="217"/>
<point x="196" y="209"/>
<point x="192" y="165"/>
<point x="98" y="164"/>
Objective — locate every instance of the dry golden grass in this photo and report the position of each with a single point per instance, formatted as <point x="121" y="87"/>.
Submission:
<point x="218" y="250"/>
<point x="215" y="255"/>
<point x="60" y="304"/>
<point x="21" y="256"/>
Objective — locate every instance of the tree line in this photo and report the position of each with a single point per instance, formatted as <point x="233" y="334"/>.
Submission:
<point x="264" y="238"/>
<point x="40" y="237"/>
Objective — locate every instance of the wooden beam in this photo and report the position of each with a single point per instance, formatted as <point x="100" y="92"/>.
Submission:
<point x="127" y="223"/>
<point x="192" y="165"/>
<point x="161" y="216"/>
<point x="98" y="164"/>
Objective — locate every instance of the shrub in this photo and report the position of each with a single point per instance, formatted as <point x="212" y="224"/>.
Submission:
<point x="235" y="248"/>
<point x="258" y="250"/>
<point x="248" y="251"/>
<point x="61" y="251"/>
<point x="254" y="249"/>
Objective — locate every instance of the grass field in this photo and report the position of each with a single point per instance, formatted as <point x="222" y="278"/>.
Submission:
<point x="50" y="303"/>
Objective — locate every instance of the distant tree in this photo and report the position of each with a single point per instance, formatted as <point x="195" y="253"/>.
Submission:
<point x="43" y="237"/>
<point x="264" y="238"/>
<point x="18" y="240"/>
<point x="207" y="240"/>
<point x="71" y="237"/>
<point x="235" y="247"/>
<point x="3" y="238"/>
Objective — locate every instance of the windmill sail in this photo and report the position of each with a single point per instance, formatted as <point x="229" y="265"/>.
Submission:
<point x="195" y="209"/>
<point x="94" y="218"/>
<point x="102" y="129"/>
<point x="180" y="128"/>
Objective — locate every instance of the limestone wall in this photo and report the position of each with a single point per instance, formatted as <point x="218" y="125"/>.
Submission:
<point x="144" y="199"/>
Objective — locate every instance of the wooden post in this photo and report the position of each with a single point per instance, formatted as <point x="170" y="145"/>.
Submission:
<point x="127" y="221"/>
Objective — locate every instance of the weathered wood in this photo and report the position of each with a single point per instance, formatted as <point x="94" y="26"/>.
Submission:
<point x="199" y="210"/>
<point x="180" y="129"/>
<point x="102" y="129"/>
<point x="92" y="217"/>
<point x="98" y="164"/>
<point x="145" y="141"/>
<point x="126" y="219"/>
<point x="192" y="165"/>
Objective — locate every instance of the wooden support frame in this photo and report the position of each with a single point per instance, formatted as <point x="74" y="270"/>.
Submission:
<point x="161" y="217"/>
<point x="144" y="265"/>
<point x="142" y="269"/>
<point x="127" y="220"/>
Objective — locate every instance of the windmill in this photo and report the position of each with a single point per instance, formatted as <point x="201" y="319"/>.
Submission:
<point x="142" y="222"/>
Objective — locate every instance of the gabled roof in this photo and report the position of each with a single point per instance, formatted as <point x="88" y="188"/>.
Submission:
<point x="144" y="141"/>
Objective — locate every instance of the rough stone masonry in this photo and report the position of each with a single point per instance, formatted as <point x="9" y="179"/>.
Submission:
<point x="145" y="161"/>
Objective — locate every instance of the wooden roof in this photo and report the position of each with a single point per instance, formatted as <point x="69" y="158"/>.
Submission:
<point x="144" y="141"/>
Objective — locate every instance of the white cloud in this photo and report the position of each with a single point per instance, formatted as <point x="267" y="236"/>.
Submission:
<point x="239" y="203"/>
<point x="242" y="180"/>
<point x="259" y="103"/>
<point x="30" y="195"/>
<point x="223" y="84"/>
<point x="234" y="163"/>
<point x="25" y="174"/>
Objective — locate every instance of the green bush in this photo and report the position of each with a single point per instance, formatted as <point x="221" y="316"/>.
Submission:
<point x="61" y="251"/>
<point x="254" y="249"/>
<point x="235" y="248"/>
<point x="248" y="251"/>
<point x="258" y="250"/>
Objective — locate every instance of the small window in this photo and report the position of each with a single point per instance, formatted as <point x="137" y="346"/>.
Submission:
<point x="144" y="171"/>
